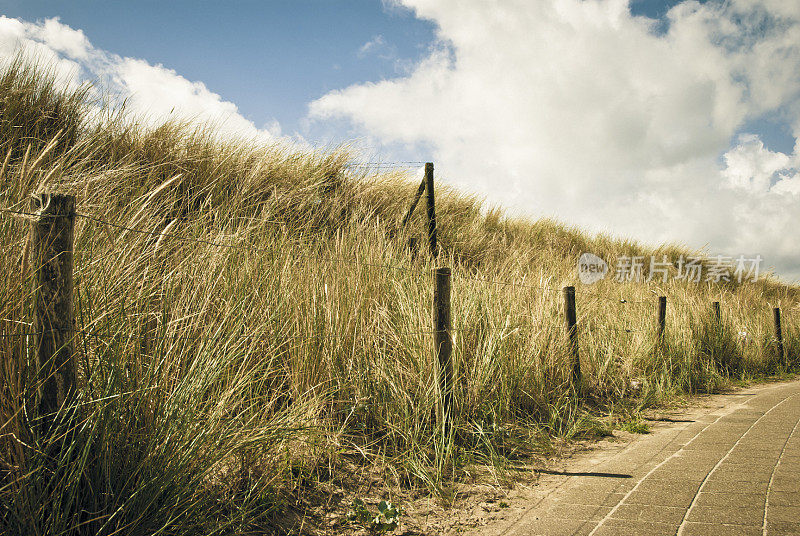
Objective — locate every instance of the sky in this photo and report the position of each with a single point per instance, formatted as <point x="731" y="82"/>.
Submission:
<point x="658" y="120"/>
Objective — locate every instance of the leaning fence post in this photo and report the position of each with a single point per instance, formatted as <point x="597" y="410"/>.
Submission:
<point x="53" y="237"/>
<point x="443" y="340"/>
<point x="413" y="203"/>
<point x="431" y="209"/>
<point x="662" y="317"/>
<point x="776" y="314"/>
<point x="571" y="320"/>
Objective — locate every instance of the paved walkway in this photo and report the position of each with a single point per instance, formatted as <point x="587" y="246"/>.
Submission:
<point x="729" y="470"/>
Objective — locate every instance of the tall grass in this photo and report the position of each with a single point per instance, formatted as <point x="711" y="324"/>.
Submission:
<point x="215" y="377"/>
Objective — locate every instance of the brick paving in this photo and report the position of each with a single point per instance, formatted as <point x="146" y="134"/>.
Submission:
<point x="730" y="471"/>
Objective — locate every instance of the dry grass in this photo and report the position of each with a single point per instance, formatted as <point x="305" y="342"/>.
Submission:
<point x="218" y="377"/>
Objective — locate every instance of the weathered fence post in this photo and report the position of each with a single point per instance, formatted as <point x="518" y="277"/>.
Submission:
<point x="431" y="209"/>
<point x="717" y="313"/>
<point x="443" y="340"/>
<point x="413" y="203"/>
<point x="776" y="314"/>
<point x="662" y="317"/>
<point x="571" y="321"/>
<point x="53" y="237"/>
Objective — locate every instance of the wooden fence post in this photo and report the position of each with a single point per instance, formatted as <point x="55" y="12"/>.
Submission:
<point x="776" y="315"/>
<point x="662" y="317"/>
<point x="571" y="321"/>
<point x="431" y="210"/>
<point x="53" y="237"/>
<point x="413" y="203"/>
<point x="717" y="313"/>
<point x="443" y="340"/>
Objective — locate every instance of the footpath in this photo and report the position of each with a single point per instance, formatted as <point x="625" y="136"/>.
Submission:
<point x="730" y="468"/>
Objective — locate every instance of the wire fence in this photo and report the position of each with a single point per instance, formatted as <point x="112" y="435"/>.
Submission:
<point x="586" y="295"/>
<point x="57" y="346"/>
<point x="338" y="259"/>
<point x="332" y="258"/>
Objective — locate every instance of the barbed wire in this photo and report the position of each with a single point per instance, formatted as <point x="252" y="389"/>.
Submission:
<point x="508" y="283"/>
<point x="333" y="258"/>
<point x="263" y="250"/>
<point x="181" y="238"/>
<point x="622" y="301"/>
<point x="254" y="336"/>
<point x="399" y="163"/>
<point x="622" y="330"/>
<point x="263" y="336"/>
<point x="20" y="212"/>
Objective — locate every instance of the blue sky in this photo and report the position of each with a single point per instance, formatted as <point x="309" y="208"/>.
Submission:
<point x="606" y="114"/>
<point x="272" y="58"/>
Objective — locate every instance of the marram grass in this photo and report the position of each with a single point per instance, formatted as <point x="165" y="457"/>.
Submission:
<point x="212" y="379"/>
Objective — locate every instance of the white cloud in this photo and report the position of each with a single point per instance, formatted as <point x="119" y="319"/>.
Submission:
<point x="576" y="109"/>
<point x="751" y="166"/>
<point x="153" y="93"/>
<point x="375" y="43"/>
<point x="61" y="38"/>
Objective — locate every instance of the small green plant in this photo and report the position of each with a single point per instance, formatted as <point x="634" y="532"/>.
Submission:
<point x="386" y="518"/>
<point x="636" y="426"/>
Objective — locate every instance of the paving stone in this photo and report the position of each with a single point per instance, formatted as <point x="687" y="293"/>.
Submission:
<point x="689" y="465"/>
<point x="783" y="513"/>
<point x="585" y="512"/>
<point x="791" y="467"/>
<point x="597" y="498"/>
<point x="666" y="473"/>
<point x="757" y="464"/>
<point x="784" y="498"/>
<point x="707" y="529"/>
<point x="677" y="498"/>
<point x="731" y="500"/>
<point x="740" y="474"/>
<point x="667" y="487"/>
<point x="552" y="527"/>
<point x="616" y="527"/>
<point x="786" y="483"/>
<point x="721" y="515"/>
<point x="649" y="513"/>
<point x="782" y="528"/>
<point x="729" y="486"/>
<point x="717" y="470"/>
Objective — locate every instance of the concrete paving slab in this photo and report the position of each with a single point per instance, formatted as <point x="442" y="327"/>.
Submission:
<point x="738" y="461"/>
<point x="616" y="527"/>
<point x="552" y="527"/>
<point x="730" y="474"/>
<point x="783" y="528"/>
<point x="599" y="498"/>
<point x="784" y="498"/>
<point x="783" y="513"/>
<point x="731" y="500"/>
<point x="677" y="475"/>
<point x="650" y="513"/>
<point x="584" y="512"/>
<point x="729" y="486"/>
<point x="718" y="515"/>
<point x="707" y="529"/>
<point x="786" y="483"/>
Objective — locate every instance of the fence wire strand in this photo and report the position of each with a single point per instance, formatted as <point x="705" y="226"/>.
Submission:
<point x="337" y="259"/>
